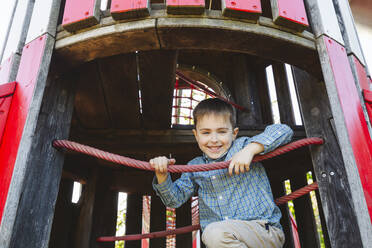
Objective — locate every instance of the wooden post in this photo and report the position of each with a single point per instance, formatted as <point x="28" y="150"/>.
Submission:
<point x="246" y="92"/>
<point x="329" y="168"/>
<point x="157" y="71"/>
<point x="304" y="215"/>
<point x="183" y="218"/>
<point x="283" y="95"/>
<point x="157" y="221"/>
<point x="133" y="222"/>
<point x="104" y="211"/>
<point x="267" y="116"/>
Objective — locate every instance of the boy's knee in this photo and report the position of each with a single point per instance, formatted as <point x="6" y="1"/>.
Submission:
<point x="215" y="235"/>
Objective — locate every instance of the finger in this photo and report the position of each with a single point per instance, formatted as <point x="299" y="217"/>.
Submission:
<point x="237" y="169"/>
<point x="247" y="167"/>
<point x="152" y="163"/>
<point x="242" y="168"/>
<point x="231" y="167"/>
<point x="171" y="161"/>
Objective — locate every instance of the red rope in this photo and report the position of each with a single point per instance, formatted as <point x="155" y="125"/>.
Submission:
<point x="73" y="146"/>
<point x="295" y="194"/>
<point x="281" y="200"/>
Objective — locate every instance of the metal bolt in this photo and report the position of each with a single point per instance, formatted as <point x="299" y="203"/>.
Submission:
<point x="332" y="173"/>
<point x="324" y="174"/>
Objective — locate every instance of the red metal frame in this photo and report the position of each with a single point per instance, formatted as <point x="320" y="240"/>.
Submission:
<point x="294" y="11"/>
<point x="6" y="95"/>
<point x="26" y="78"/>
<point x="353" y="113"/>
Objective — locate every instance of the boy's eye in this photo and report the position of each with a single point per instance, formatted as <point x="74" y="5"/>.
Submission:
<point x="222" y="131"/>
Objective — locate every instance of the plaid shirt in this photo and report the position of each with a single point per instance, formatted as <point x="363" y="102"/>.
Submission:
<point x="246" y="196"/>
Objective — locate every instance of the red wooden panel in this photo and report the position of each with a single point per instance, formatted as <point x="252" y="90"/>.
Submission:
<point x="353" y="113"/>
<point x="5" y="70"/>
<point x="244" y="5"/>
<point x="362" y="75"/>
<point x="185" y="6"/>
<point x="294" y="11"/>
<point x="79" y="14"/>
<point x="26" y="78"/>
<point x="6" y="95"/>
<point x="129" y="8"/>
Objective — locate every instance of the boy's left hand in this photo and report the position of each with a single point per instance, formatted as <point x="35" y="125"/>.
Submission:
<point x="241" y="161"/>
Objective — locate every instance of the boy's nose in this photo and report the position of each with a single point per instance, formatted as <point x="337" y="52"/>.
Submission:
<point x="214" y="138"/>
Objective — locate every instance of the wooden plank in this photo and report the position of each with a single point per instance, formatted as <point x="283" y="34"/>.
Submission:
<point x="123" y="9"/>
<point x="245" y="87"/>
<point x="6" y="96"/>
<point x="29" y="67"/>
<point x="355" y="122"/>
<point x="183" y="218"/>
<point x="5" y="70"/>
<point x="278" y="190"/>
<point x="247" y="9"/>
<point x="81" y="14"/>
<point x="157" y="77"/>
<point x="283" y="94"/>
<point x="185" y="7"/>
<point x="157" y="221"/>
<point x="105" y="212"/>
<point x="330" y="170"/>
<point x="267" y="116"/>
<point x="291" y="14"/>
<point x="323" y="19"/>
<point x="63" y="221"/>
<point x="33" y="212"/>
<point x="90" y="104"/>
<point x="361" y="74"/>
<point x="85" y="219"/>
<point x="120" y="88"/>
<point x="42" y="20"/>
<point x="133" y="223"/>
<point x="348" y="29"/>
<point x="305" y="215"/>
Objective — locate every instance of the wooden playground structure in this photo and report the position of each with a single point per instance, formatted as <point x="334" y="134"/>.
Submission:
<point x="115" y="77"/>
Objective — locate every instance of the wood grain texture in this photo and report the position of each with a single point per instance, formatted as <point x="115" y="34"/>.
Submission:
<point x="329" y="168"/>
<point x="157" y="77"/>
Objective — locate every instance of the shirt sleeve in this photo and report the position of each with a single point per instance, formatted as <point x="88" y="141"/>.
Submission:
<point x="174" y="194"/>
<point x="273" y="136"/>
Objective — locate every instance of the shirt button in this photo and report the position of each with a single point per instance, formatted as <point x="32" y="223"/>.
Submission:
<point x="220" y="197"/>
<point x="213" y="177"/>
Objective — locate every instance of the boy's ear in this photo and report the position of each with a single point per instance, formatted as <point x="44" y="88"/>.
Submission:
<point x="235" y="132"/>
<point x="194" y="132"/>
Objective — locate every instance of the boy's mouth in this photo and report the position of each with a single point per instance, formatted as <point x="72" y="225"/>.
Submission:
<point x="214" y="149"/>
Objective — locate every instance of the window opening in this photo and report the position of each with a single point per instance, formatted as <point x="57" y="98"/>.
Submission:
<point x="76" y="192"/>
<point x="272" y="94"/>
<point x="292" y="92"/>
<point x="104" y="5"/>
<point x="121" y="218"/>
<point x="185" y="99"/>
<point x="314" y="204"/>
<point x="146" y="209"/>
<point x="171" y="225"/>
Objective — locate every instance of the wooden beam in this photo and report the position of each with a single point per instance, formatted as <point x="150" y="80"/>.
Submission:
<point x="157" y="221"/>
<point x="133" y="223"/>
<point x="283" y="94"/>
<point x="183" y="218"/>
<point x="157" y="77"/>
<point x="336" y="197"/>
<point x="120" y="89"/>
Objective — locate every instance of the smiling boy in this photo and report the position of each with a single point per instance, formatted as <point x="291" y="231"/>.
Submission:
<point x="236" y="206"/>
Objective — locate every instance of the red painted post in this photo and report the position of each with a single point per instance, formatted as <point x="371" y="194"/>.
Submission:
<point x="122" y="9"/>
<point x="362" y="75"/>
<point x="353" y="113"/>
<point x="26" y="78"/>
<point x="290" y="13"/>
<point x="368" y="99"/>
<point x="184" y="7"/>
<point x="6" y="95"/>
<point x="247" y="9"/>
<point x="80" y="14"/>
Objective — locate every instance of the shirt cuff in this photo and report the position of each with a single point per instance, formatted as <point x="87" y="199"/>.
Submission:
<point x="163" y="187"/>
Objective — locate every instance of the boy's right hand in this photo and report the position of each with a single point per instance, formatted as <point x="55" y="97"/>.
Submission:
<point x="160" y="164"/>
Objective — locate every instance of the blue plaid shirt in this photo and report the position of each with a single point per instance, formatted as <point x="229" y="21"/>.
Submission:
<point x="246" y="196"/>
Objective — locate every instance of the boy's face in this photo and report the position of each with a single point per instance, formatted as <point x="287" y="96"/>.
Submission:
<point x="214" y="134"/>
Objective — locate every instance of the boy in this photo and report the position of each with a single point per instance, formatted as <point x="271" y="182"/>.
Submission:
<point x="236" y="206"/>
